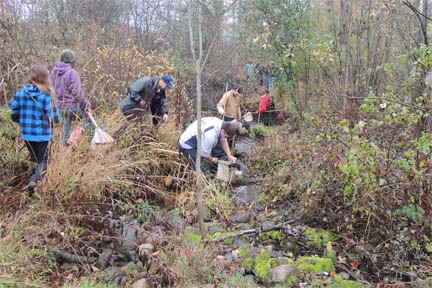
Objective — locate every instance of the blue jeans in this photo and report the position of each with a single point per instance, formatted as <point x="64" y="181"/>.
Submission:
<point x="269" y="82"/>
<point x="67" y="116"/>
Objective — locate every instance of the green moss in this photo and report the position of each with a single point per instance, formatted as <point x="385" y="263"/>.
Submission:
<point x="218" y="234"/>
<point x="275" y="235"/>
<point x="247" y="263"/>
<point x="263" y="263"/>
<point x="331" y="255"/>
<point x="194" y="237"/>
<point x="319" y="238"/>
<point x="315" y="264"/>
<point x="242" y="252"/>
<point x="292" y="281"/>
<point x="338" y="282"/>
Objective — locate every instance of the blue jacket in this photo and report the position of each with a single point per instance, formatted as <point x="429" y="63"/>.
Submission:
<point x="34" y="112"/>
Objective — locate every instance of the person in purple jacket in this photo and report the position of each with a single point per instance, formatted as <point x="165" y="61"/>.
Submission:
<point x="71" y="101"/>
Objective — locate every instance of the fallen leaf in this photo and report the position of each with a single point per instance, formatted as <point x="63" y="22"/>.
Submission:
<point x="95" y="269"/>
<point x="333" y="273"/>
<point x="56" y="282"/>
<point x="354" y="265"/>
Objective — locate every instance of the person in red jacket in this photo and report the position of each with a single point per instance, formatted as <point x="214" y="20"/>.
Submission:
<point x="266" y="104"/>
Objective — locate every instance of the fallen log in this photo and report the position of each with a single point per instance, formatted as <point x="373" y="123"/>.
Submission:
<point x="250" y="231"/>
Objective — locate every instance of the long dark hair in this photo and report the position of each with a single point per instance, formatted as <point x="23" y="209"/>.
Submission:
<point x="39" y="77"/>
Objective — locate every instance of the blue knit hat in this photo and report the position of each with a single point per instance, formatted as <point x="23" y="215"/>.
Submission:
<point x="168" y="80"/>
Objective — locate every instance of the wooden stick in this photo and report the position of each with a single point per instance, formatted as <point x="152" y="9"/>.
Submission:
<point x="278" y="110"/>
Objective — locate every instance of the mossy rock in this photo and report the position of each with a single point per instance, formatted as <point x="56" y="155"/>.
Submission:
<point x="337" y="282"/>
<point x="194" y="237"/>
<point x="263" y="262"/>
<point x="271" y="235"/>
<point x="247" y="263"/>
<point x="319" y="238"/>
<point x="243" y="252"/>
<point x="315" y="264"/>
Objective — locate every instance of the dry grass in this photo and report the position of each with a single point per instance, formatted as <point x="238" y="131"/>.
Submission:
<point x="134" y="166"/>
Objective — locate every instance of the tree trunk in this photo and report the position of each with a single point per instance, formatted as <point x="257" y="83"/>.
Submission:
<point x="197" y="59"/>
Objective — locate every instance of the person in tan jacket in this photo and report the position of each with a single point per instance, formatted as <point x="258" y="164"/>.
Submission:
<point x="229" y="105"/>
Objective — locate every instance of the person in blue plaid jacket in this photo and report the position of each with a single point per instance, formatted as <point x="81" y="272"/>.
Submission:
<point x="33" y="108"/>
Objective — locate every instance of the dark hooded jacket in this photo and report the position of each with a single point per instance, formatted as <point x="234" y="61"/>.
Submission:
<point x="146" y="89"/>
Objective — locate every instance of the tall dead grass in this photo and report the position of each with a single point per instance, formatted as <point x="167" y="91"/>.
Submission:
<point x="135" y="166"/>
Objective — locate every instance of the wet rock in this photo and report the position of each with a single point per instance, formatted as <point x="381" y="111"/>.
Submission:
<point x="237" y="243"/>
<point x="104" y="259"/>
<point x="192" y="230"/>
<point x="244" y="145"/>
<point x="268" y="225"/>
<point x="290" y="246"/>
<point x="130" y="236"/>
<point x="240" y="217"/>
<point x="216" y="229"/>
<point x="177" y="222"/>
<point x="247" y="249"/>
<point x="245" y="195"/>
<point x="132" y="268"/>
<point x="245" y="226"/>
<point x="206" y="214"/>
<point x="141" y="283"/>
<point x="261" y="218"/>
<point x="282" y="273"/>
<point x="250" y="279"/>
<point x="344" y="275"/>
<point x="275" y="254"/>
<point x="115" y="275"/>
<point x="157" y="230"/>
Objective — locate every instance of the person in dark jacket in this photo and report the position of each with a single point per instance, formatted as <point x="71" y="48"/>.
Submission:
<point x="70" y="97"/>
<point x="145" y="92"/>
<point x="34" y="110"/>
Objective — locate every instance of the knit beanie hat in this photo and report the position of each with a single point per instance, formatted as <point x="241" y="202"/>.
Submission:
<point x="68" y="56"/>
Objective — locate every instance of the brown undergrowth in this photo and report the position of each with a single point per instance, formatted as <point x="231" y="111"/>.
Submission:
<point x="364" y="175"/>
<point x="84" y="184"/>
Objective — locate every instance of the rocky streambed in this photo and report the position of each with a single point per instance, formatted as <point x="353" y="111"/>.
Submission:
<point x="261" y="246"/>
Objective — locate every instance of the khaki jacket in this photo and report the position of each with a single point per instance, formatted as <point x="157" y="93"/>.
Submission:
<point x="229" y="105"/>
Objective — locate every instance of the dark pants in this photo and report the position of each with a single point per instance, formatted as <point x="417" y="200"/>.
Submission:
<point x="134" y="111"/>
<point x="228" y="119"/>
<point x="38" y="154"/>
<point x="191" y="155"/>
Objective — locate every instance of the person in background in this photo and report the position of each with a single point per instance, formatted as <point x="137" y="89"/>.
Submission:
<point x="249" y="70"/>
<point x="71" y="101"/>
<point x="270" y="77"/>
<point x="266" y="104"/>
<point x="34" y="110"/>
<point x="145" y="92"/>
<point x="259" y="74"/>
<point x="229" y="105"/>
<point x="214" y="131"/>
